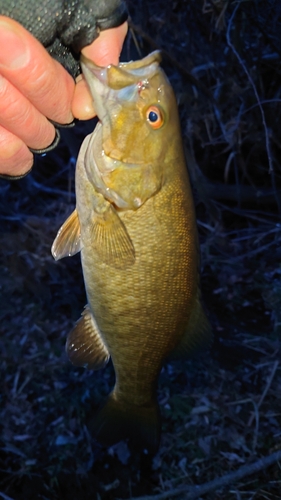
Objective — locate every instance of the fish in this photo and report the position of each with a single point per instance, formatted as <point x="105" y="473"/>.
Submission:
<point x="135" y="227"/>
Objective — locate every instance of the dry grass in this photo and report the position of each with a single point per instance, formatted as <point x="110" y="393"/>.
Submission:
<point x="221" y="410"/>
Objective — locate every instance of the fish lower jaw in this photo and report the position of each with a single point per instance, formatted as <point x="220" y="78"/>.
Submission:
<point x="111" y="163"/>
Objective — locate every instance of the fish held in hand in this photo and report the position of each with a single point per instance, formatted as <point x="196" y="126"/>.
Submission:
<point x="135" y="227"/>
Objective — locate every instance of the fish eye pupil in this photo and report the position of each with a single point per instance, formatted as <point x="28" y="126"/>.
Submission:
<point x="153" y="116"/>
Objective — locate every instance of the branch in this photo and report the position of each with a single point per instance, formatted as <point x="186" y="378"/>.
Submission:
<point x="5" y="497"/>
<point x="246" y="194"/>
<point x="208" y="190"/>
<point x="269" y="382"/>
<point x="52" y="190"/>
<point x="193" y="492"/>
<point x="230" y="44"/>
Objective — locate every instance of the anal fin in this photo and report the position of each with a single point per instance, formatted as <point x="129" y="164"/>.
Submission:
<point x="84" y="345"/>
<point x="68" y="239"/>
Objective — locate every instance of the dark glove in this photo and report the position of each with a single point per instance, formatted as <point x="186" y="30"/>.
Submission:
<point x="64" y="27"/>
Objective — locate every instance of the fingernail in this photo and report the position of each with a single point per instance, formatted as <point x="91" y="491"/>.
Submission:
<point x="9" y="177"/>
<point x="14" y="53"/>
<point x="51" y="146"/>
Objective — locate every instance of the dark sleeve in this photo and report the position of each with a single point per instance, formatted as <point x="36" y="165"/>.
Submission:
<point x="64" y="27"/>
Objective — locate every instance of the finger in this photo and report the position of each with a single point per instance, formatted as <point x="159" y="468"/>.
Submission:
<point x="103" y="51"/>
<point x="21" y="118"/>
<point x="15" y="157"/>
<point x="29" y="67"/>
<point x="82" y="104"/>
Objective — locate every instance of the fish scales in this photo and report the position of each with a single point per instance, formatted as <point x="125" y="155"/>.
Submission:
<point x="153" y="289"/>
<point x="135" y="226"/>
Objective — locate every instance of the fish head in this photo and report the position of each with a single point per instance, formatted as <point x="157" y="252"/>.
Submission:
<point x="137" y="109"/>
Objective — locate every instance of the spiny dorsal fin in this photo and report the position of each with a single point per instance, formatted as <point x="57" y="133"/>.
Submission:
<point x="84" y="345"/>
<point x="110" y="239"/>
<point x="68" y="239"/>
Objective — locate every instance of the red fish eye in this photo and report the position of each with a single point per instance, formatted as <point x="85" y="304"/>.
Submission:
<point x="154" y="117"/>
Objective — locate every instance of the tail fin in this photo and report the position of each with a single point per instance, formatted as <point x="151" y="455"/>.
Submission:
<point x="117" y="421"/>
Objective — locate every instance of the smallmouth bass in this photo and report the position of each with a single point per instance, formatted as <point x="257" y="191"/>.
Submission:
<point x="135" y="227"/>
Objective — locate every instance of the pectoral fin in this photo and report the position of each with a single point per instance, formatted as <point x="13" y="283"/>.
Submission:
<point x="68" y="239"/>
<point x="197" y="334"/>
<point x="84" y="345"/>
<point x="110" y="239"/>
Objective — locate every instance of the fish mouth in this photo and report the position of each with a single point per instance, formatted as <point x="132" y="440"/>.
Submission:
<point x="112" y="150"/>
<point x="112" y="160"/>
<point x="110" y="157"/>
<point x="116" y="156"/>
<point x="107" y="161"/>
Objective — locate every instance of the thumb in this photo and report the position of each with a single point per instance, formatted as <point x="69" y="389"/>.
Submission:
<point x="106" y="48"/>
<point x="103" y="51"/>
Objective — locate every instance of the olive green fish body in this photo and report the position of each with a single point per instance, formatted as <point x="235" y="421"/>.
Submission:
<point x="135" y="226"/>
<point x="142" y="311"/>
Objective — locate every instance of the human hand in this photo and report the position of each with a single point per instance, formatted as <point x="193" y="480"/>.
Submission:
<point x="33" y="86"/>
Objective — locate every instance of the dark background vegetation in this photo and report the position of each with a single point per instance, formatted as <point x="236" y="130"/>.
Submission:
<point x="221" y="411"/>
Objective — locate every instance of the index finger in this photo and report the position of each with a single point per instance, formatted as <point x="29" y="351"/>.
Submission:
<point x="29" y="67"/>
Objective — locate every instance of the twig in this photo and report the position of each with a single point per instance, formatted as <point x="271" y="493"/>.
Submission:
<point x="256" y="413"/>
<point x="193" y="492"/>
<point x="265" y="101"/>
<point x="230" y="44"/>
<point x="173" y="61"/>
<point x="249" y="254"/>
<point x="248" y="194"/>
<point x="269" y="382"/>
<point x="51" y="190"/>
<point x="2" y="495"/>
<point x="132" y="33"/>
<point x="266" y="33"/>
<point x="219" y="191"/>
